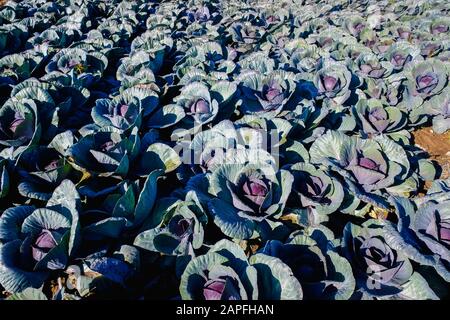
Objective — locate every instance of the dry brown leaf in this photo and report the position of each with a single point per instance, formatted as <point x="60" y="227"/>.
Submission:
<point x="292" y="217"/>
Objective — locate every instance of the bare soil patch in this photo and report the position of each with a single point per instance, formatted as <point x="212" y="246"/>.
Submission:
<point x="437" y="146"/>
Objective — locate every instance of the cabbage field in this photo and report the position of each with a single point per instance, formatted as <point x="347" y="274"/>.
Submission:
<point x="224" y="150"/>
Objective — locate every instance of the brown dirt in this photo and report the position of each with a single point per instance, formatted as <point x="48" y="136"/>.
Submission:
<point x="437" y="146"/>
<point x="2" y="2"/>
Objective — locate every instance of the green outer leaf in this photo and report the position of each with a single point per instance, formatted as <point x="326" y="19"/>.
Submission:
<point x="66" y="196"/>
<point x="124" y="206"/>
<point x="427" y="170"/>
<point x="28" y="294"/>
<point x="394" y="152"/>
<point x="32" y="191"/>
<point x="12" y="278"/>
<point x="417" y="288"/>
<point x="166" y="243"/>
<point x="147" y="197"/>
<point x="62" y="142"/>
<point x="230" y="250"/>
<point x="11" y="221"/>
<point x="342" y="267"/>
<point x="227" y="219"/>
<point x="166" y="116"/>
<point x="223" y="91"/>
<point x="285" y="179"/>
<point x="219" y="177"/>
<point x="110" y="227"/>
<point x="44" y="218"/>
<point x="295" y="152"/>
<point x="169" y="159"/>
<point x="4" y="181"/>
<point x="276" y="280"/>
<point x="239" y="262"/>
<point x="163" y="207"/>
<point x="333" y="144"/>
<point x="145" y="240"/>
<point x="122" y="168"/>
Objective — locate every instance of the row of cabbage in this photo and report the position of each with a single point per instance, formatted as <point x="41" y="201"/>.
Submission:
<point x="223" y="149"/>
